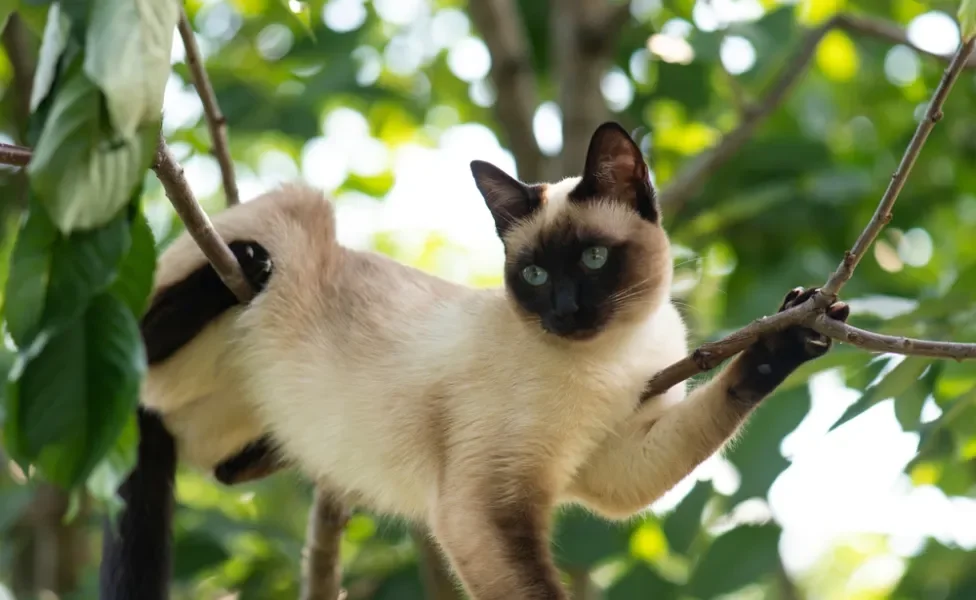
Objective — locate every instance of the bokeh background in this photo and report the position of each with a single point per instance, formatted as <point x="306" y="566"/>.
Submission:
<point x="854" y="481"/>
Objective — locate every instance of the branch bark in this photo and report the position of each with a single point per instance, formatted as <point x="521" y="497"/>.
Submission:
<point x="503" y="31"/>
<point x="810" y="313"/>
<point x="211" y="110"/>
<point x="322" y="570"/>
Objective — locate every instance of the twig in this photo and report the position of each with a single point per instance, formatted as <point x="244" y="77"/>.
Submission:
<point x="692" y="176"/>
<point x="17" y="156"/>
<point x="211" y="110"/>
<point x="198" y="224"/>
<point x="322" y="573"/>
<point x="883" y="213"/>
<point x="503" y="31"/>
<point x="710" y="355"/>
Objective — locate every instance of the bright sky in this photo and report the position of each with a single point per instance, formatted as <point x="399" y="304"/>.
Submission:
<point x="840" y="483"/>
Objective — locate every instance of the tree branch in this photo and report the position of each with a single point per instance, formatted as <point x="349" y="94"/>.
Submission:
<point x="322" y="572"/>
<point x="198" y="224"/>
<point x="692" y="176"/>
<point x="810" y="313"/>
<point x="211" y="110"/>
<point x="503" y="31"/>
<point x="16" y="156"/>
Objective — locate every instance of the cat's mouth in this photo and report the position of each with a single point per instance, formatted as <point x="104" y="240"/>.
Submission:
<point x="570" y="330"/>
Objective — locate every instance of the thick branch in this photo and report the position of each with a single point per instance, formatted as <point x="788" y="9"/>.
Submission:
<point x="198" y="224"/>
<point x="882" y="215"/>
<point x="322" y="573"/>
<point x="693" y="175"/>
<point x="215" y="119"/>
<point x="502" y="29"/>
<point x="710" y="355"/>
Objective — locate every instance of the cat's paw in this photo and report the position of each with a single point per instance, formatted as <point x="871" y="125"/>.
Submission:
<point x="255" y="262"/>
<point x="801" y="342"/>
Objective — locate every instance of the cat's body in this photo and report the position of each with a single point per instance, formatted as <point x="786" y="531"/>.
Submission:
<point x="473" y="411"/>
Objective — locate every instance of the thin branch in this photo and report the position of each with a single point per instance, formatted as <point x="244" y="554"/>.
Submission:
<point x="883" y="213"/>
<point x="692" y="176"/>
<point x="17" y="156"/>
<point x="322" y="572"/>
<point x="211" y="110"/>
<point x="198" y="224"/>
<point x="710" y="355"/>
<point x="517" y="97"/>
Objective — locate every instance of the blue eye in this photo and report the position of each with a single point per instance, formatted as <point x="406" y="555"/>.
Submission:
<point x="535" y="275"/>
<point x="595" y="257"/>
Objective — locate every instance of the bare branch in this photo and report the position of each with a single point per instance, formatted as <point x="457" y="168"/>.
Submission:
<point x="882" y="215"/>
<point x="198" y="224"/>
<point x="517" y="97"/>
<point x="710" y="355"/>
<point x="17" y="156"/>
<point x="876" y="342"/>
<point x="215" y="119"/>
<point x="321" y="572"/>
<point x="888" y="31"/>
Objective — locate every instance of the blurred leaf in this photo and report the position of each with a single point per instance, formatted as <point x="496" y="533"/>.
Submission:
<point x="582" y="540"/>
<point x="72" y="400"/>
<point x="13" y="502"/>
<point x="742" y="556"/>
<point x="756" y="453"/>
<point x="55" y="40"/>
<point x="82" y="172"/>
<point x="404" y="584"/>
<point x="967" y="18"/>
<point x="893" y="385"/>
<point x="127" y="54"/>
<point x="194" y="552"/>
<point x="639" y="582"/>
<point x="684" y="524"/>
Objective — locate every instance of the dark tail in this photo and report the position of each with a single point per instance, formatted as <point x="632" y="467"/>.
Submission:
<point x="136" y="551"/>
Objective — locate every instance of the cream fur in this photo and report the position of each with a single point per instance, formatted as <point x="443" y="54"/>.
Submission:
<point x="426" y="399"/>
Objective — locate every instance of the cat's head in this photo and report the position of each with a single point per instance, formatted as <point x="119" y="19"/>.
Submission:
<point x="588" y="252"/>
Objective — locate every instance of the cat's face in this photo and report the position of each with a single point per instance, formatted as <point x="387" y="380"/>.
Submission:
<point x="587" y="252"/>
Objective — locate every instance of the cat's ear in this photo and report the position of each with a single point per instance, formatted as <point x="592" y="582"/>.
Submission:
<point x="508" y="199"/>
<point x="615" y="170"/>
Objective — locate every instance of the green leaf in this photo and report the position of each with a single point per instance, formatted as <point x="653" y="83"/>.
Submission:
<point x="72" y="399"/>
<point x="56" y="33"/>
<point x="13" y="502"/>
<point x="583" y="540"/>
<point x="683" y="525"/>
<point x="738" y="558"/>
<point x="967" y="19"/>
<point x="127" y="53"/>
<point x="134" y="282"/>
<point x="641" y="581"/>
<point x="52" y="276"/>
<point x="7" y="7"/>
<point x="194" y="552"/>
<point x="894" y="383"/>
<point x="81" y="172"/>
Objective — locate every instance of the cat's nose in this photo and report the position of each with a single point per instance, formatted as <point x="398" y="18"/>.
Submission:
<point x="564" y="301"/>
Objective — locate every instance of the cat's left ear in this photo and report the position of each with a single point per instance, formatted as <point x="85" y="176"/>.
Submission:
<point x="615" y="170"/>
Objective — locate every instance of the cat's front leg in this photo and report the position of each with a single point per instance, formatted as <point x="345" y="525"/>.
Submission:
<point x="653" y="451"/>
<point x="495" y="534"/>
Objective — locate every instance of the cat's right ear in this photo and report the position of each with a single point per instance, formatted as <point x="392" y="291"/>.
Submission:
<point x="508" y="199"/>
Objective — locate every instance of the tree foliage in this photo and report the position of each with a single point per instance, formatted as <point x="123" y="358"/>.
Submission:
<point x="81" y="232"/>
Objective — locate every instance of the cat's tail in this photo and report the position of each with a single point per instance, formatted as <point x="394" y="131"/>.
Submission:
<point x="136" y="551"/>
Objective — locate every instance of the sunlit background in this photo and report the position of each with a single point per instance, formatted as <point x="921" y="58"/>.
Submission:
<point x="846" y="505"/>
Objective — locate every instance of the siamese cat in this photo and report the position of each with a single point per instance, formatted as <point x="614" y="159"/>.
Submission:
<point x="474" y="411"/>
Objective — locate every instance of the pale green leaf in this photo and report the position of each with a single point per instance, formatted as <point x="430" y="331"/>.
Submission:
<point x="56" y="32"/>
<point x="967" y="19"/>
<point x="81" y="173"/>
<point x="135" y="278"/>
<point x="896" y="382"/>
<point x="127" y="53"/>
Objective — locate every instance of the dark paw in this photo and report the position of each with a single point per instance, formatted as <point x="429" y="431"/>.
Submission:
<point x="255" y="261"/>
<point x="769" y="361"/>
<point x="802" y="342"/>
